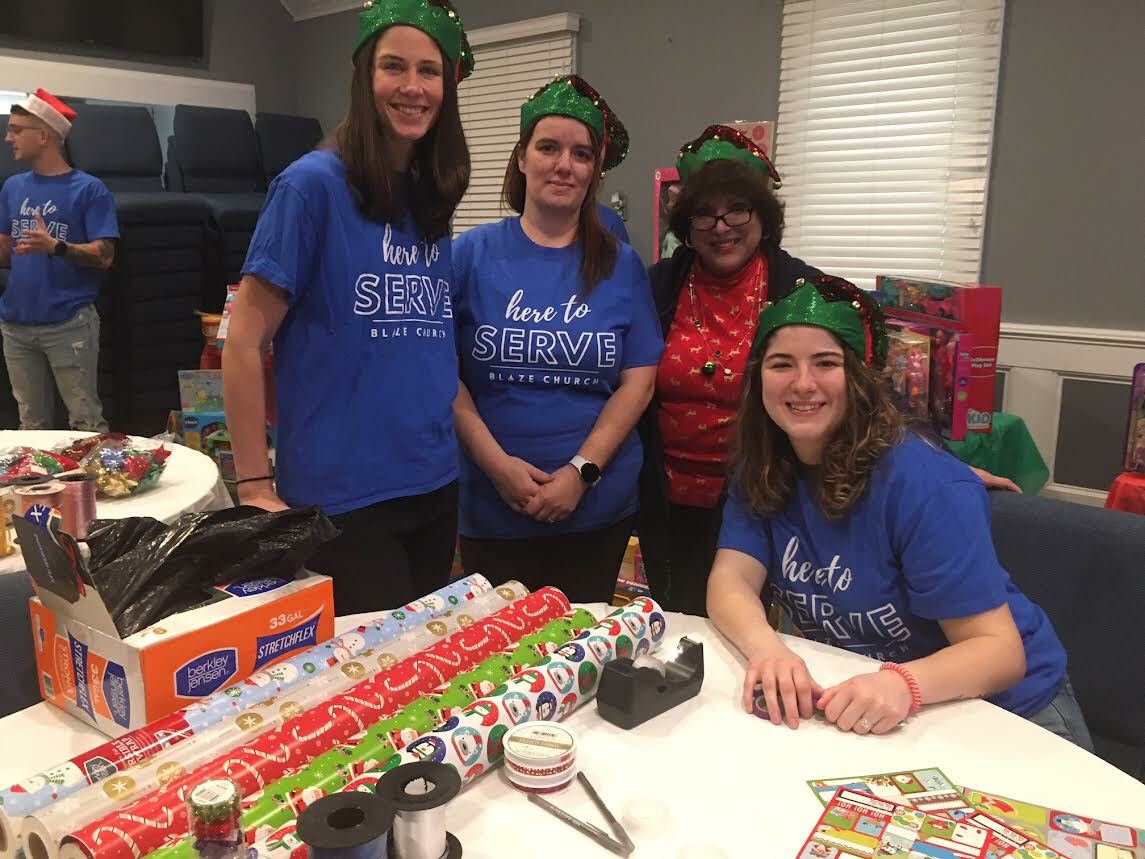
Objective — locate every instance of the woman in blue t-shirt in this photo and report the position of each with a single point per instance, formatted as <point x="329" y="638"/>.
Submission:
<point x="349" y="274"/>
<point x="872" y="540"/>
<point x="558" y="344"/>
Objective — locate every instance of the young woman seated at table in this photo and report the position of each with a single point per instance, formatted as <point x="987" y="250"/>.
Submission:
<point x="869" y="537"/>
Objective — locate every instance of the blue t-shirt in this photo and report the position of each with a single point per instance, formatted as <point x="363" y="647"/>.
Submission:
<point x="612" y="222"/>
<point x="914" y="550"/>
<point x="364" y="361"/>
<point x="77" y="208"/>
<point x="540" y="364"/>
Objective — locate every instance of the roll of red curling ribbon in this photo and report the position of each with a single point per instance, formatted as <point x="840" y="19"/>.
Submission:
<point x="77" y="504"/>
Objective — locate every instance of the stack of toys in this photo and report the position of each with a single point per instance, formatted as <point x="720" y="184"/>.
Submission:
<point x="962" y="325"/>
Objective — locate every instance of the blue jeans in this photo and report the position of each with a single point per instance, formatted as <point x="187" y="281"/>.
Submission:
<point x="69" y="353"/>
<point x="1062" y="716"/>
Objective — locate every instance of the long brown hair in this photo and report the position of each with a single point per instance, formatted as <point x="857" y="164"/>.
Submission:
<point x="764" y="464"/>
<point x="440" y="164"/>
<point x="599" y="247"/>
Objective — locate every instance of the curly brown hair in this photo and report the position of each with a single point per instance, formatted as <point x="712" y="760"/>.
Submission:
<point x="764" y="465"/>
<point x="731" y="178"/>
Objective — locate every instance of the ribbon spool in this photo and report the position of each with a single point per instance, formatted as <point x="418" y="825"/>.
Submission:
<point x="347" y="825"/>
<point x="49" y="494"/>
<point x="419" y="792"/>
<point x="77" y="505"/>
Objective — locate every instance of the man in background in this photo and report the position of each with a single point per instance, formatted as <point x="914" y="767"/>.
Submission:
<point x="57" y="233"/>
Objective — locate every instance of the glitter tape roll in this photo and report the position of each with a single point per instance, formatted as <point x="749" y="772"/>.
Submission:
<point x="347" y="826"/>
<point x="213" y="811"/>
<point x="419" y="792"/>
<point x="77" y="505"/>
<point x="540" y="757"/>
<point x="62" y="780"/>
<point x="48" y="494"/>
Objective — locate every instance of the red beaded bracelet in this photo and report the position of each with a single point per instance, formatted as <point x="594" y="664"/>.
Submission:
<point x="911" y="683"/>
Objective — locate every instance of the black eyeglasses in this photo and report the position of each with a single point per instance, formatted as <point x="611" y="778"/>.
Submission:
<point x="733" y="218"/>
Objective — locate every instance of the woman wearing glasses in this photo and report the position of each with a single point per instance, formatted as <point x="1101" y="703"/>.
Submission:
<point x="708" y="295"/>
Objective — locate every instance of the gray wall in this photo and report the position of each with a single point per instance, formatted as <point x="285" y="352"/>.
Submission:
<point x="1066" y="214"/>
<point x="668" y="68"/>
<point x="248" y="41"/>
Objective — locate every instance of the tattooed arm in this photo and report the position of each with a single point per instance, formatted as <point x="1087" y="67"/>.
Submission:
<point x="98" y="254"/>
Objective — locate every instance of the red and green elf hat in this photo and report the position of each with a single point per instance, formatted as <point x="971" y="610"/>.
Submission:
<point x="719" y="142"/>
<point x="438" y="20"/>
<point x="838" y="305"/>
<point x="572" y="96"/>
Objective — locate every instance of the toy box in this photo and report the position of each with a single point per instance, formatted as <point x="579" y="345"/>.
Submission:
<point x="201" y="390"/>
<point x="908" y="368"/>
<point x="117" y="684"/>
<point x="963" y="322"/>
<point x="665" y="185"/>
<point x="1135" y="434"/>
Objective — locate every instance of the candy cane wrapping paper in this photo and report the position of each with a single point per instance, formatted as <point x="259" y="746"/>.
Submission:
<point x="41" y="790"/>
<point x="46" y="830"/>
<point x="133" y="832"/>
<point x="328" y="773"/>
<point x="471" y="741"/>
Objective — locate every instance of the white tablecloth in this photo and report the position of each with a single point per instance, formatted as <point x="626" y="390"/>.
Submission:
<point x="727" y="781"/>
<point x="190" y="483"/>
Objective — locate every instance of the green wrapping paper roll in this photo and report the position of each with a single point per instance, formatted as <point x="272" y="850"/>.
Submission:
<point x="45" y="831"/>
<point x="471" y="741"/>
<point x="281" y="802"/>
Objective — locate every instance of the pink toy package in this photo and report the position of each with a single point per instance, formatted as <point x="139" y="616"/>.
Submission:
<point x="963" y="322"/>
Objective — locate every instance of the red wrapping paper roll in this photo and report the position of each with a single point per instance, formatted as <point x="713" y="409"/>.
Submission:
<point x="138" y="829"/>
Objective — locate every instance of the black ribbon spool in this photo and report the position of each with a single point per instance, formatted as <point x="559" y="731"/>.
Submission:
<point x="347" y="825"/>
<point x="446" y="784"/>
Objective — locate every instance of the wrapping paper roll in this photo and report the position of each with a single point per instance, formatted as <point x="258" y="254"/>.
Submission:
<point x="45" y="831"/>
<point x="282" y="802"/>
<point x="52" y="785"/>
<point x="471" y="741"/>
<point x="146" y="825"/>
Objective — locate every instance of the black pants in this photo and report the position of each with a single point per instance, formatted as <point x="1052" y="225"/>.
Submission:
<point x="678" y="570"/>
<point x="584" y="565"/>
<point x="392" y="552"/>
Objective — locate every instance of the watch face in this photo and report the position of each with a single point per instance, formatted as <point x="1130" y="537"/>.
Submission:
<point x="590" y="472"/>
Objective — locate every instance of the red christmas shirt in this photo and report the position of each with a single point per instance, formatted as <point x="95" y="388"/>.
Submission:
<point x="697" y="411"/>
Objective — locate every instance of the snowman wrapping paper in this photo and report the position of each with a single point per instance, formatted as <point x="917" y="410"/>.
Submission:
<point x="41" y="790"/>
<point x="471" y="741"/>
<point x="281" y="803"/>
<point x="146" y="825"/>
<point x="52" y="824"/>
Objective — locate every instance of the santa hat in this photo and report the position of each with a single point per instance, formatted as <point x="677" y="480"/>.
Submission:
<point x="43" y="105"/>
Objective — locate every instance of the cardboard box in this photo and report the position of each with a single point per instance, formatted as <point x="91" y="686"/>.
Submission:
<point x="118" y="684"/>
<point x="971" y="316"/>
<point x="197" y="426"/>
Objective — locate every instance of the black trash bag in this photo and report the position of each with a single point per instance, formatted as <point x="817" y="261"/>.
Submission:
<point x="145" y="570"/>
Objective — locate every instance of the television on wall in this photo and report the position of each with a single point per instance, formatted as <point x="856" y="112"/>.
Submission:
<point x="147" y="29"/>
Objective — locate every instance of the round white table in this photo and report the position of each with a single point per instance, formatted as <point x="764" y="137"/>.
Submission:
<point x="726" y="780"/>
<point x="190" y="483"/>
